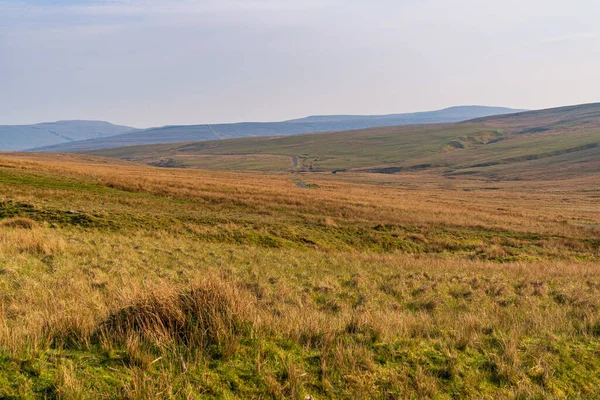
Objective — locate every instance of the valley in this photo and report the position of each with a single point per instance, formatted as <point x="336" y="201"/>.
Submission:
<point x="299" y="200"/>
<point x="515" y="146"/>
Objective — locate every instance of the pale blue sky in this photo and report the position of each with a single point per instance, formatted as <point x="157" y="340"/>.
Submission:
<point x="157" y="62"/>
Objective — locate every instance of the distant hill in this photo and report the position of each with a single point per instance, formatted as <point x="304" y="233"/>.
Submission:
<point x="451" y="114"/>
<point x="553" y="143"/>
<point x="23" y="137"/>
<point x="314" y="124"/>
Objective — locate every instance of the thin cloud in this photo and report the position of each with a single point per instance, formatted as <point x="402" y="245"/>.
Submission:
<point x="576" y="37"/>
<point x="156" y="62"/>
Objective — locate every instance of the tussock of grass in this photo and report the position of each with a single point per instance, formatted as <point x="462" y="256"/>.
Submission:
<point x="18" y="223"/>
<point x="207" y="317"/>
<point x="37" y="242"/>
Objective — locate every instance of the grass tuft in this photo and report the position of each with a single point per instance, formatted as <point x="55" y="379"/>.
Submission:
<point x="18" y="223"/>
<point x="209" y="317"/>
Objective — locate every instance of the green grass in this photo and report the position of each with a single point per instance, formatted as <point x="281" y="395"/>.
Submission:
<point x="251" y="162"/>
<point x="530" y="145"/>
<point x="499" y="354"/>
<point x="135" y="282"/>
<point x="340" y="150"/>
<point x="109" y="209"/>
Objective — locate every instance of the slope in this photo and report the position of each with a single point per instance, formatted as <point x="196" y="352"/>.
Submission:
<point x="126" y="281"/>
<point x="22" y="137"/>
<point x="562" y="140"/>
<point x="170" y="134"/>
<point x="451" y="114"/>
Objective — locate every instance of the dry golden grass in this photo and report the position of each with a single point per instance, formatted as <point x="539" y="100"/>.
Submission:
<point x="19" y="222"/>
<point x="129" y="284"/>
<point x="39" y="242"/>
<point x="553" y="208"/>
<point x="349" y="310"/>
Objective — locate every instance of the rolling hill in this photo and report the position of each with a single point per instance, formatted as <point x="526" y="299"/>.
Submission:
<point x="172" y="134"/>
<point x="23" y="137"/>
<point x="559" y="142"/>
<point x="451" y="114"/>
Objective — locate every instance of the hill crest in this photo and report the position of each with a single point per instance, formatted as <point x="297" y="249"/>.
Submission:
<point x="553" y="143"/>
<point x="24" y="137"/>
<point x="186" y="133"/>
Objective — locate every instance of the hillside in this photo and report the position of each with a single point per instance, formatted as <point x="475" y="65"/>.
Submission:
<point x="128" y="281"/>
<point x="451" y="114"/>
<point x="170" y="134"/>
<point x="560" y="142"/>
<point x="23" y="137"/>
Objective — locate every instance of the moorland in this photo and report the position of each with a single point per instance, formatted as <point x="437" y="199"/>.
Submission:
<point x="311" y="124"/>
<point x="122" y="280"/>
<point x="561" y="143"/>
<point x="439" y="261"/>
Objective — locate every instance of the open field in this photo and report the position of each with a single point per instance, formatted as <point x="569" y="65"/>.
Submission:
<point x="126" y="281"/>
<point x="562" y="142"/>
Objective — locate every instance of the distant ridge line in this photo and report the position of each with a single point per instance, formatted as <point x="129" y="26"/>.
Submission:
<point x="314" y="124"/>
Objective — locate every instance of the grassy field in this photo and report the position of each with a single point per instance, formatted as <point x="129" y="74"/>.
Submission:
<point x="530" y="145"/>
<point x="339" y="150"/>
<point x="126" y="281"/>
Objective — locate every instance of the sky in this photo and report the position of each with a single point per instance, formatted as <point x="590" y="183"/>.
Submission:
<point x="171" y="62"/>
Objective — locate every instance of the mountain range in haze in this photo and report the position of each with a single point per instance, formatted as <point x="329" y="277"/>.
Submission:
<point x="68" y="136"/>
<point x="24" y="137"/>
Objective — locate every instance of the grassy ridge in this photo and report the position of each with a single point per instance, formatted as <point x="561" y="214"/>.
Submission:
<point x="330" y="151"/>
<point x="126" y="281"/>
<point x="509" y="143"/>
<point x="174" y="133"/>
